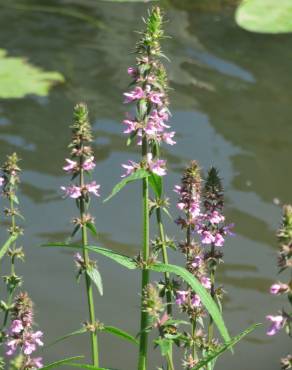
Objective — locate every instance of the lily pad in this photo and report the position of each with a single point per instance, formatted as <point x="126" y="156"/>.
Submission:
<point x="265" y="16"/>
<point x="19" y="78"/>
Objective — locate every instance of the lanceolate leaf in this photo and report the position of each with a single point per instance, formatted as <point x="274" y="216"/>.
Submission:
<point x="120" y="333"/>
<point x="137" y="175"/>
<point x="56" y="364"/>
<point x="64" y="337"/>
<point x="206" y="299"/>
<point x="91" y="227"/>
<point x="89" y="367"/>
<point x="265" y="16"/>
<point x="224" y="348"/>
<point x="121" y="259"/>
<point x="7" y="244"/>
<point x="94" y="275"/>
<point x="155" y="182"/>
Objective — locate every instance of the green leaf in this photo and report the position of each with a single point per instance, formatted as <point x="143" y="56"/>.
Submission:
<point x="89" y="367"/>
<point x="56" y="364"/>
<point x="64" y="337"/>
<point x="265" y="16"/>
<point x="7" y="244"/>
<point x="137" y="175"/>
<point x="206" y="299"/>
<point x="155" y="182"/>
<point x="165" y="345"/>
<point x="121" y="259"/>
<point x="120" y="333"/>
<point x="91" y="227"/>
<point x="224" y="347"/>
<point x="94" y="275"/>
<point x="19" y="78"/>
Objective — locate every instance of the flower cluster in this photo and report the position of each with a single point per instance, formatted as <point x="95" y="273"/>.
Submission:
<point x="21" y="336"/>
<point x="150" y="95"/>
<point x="211" y="226"/>
<point x="283" y="319"/>
<point x="82" y="158"/>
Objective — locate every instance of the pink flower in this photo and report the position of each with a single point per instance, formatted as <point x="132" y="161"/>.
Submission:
<point x="207" y="237"/>
<point x="279" y="288"/>
<point x="16" y="327"/>
<point x="195" y="210"/>
<point x="133" y="95"/>
<point x="155" y="98"/>
<point x="78" y="258"/>
<point x="206" y="282"/>
<point x="219" y="240"/>
<point x="12" y="346"/>
<point x="88" y="164"/>
<point x="132" y="71"/>
<point x="167" y="137"/>
<point x="30" y="342"/>
<point x="215" y="217"/>
<point x="196" y="301"/>
<point x="131" y="126"/>
<point x="71" y="165"/>
<point x="181" y="296"/>
<point x="197" y="261"/>
<point x="93" y="188"/>
<point x="157" y="166"/>
<point x="72" y="191"/>
<point x="2" y="180"/>
<point x="277" y="323"/>
<point x="177" y="189"/>
<point x="34" y="363"/>
<point x="130" y="168"/>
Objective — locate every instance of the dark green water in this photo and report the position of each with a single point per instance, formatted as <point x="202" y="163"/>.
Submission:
<point x="231" y="107"/>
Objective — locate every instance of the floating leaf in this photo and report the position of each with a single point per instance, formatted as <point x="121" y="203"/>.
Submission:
<point x="56" y="364"/>
<point x="7" y="244"/>
<point x="206" y="299"/>
<point x="224" y="348"/>
<point x="120" y="333"/>
<point x="19" y="78"/>
<point x="265" y="16"/>
<point x="137" y="175"/>
<point x="94" y="275"/>
<point x="155" y="182"/>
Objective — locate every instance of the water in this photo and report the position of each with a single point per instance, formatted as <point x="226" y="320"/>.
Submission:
<point x="231" y="108"/>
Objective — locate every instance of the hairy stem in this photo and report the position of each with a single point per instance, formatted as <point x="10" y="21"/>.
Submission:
<point x="89" y="290"/>
<point x="145" y="272"/>
<point x="212" y="277"/>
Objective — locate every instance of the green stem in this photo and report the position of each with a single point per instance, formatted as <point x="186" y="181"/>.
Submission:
<point x="194" y="351"/>
<point x="170" y="360"/>
<point x="166" y="277"/>
<point x="212" y="277"/>
<point x="165" y="259"/>
<point x="142" y="365"/>
<point x="89" y="290"/>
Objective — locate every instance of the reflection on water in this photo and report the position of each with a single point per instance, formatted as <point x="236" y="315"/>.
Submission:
<point x="231" y="108"/>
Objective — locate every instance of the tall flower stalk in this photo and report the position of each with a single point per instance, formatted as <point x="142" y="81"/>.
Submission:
<point x="203" y="217"/>
<point x="283" y="319"/>
<point x="79" y="165"/>
<point x="9" y="182"/>
<point x="149" y="127"/>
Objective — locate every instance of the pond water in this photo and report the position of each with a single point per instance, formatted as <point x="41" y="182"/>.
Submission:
<point x="231" y="105"/>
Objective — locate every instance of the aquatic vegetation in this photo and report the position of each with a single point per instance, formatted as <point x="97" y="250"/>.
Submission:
<point x="19" y="78"/>
<point x="265" y="16"/>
